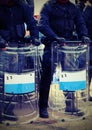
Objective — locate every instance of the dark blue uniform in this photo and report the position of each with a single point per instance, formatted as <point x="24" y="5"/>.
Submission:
<point x="12" y="19"/>
<point x="61" y="20"/>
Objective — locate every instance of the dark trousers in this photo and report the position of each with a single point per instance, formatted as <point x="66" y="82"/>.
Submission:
<point x="45" y="79"/>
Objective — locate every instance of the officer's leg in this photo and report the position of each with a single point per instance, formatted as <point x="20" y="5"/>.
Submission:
<point x="45" y="85"/>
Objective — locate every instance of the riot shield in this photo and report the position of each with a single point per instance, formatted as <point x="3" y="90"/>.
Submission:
<point x="19" y="86"/>
<point x="69" y="89"/>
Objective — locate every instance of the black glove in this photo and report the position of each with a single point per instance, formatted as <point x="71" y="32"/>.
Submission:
<point x="85" y="39"/>
<point x="35" y="42"/>
<point x="60" y="40"/>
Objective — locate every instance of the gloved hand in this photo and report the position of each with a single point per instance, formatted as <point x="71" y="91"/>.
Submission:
<point x="35" y="42"/>
<point x="60" y="40"/>
<point x="85" y="39"/>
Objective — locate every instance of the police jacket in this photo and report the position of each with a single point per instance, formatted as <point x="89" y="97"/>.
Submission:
<point x="61" y="20"/>
<point x="12" y="21"/>
<point x="88" y="19"/>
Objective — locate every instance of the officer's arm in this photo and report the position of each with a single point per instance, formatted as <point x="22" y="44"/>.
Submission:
<point x="43" y="22"/>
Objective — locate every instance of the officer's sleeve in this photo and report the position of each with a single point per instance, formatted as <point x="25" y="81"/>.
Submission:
<point x="80" y="24"/>
<point x="43" y="22"/>
<point x="86" y="13"/>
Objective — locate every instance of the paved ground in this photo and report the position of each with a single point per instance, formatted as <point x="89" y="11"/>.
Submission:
<point x="64" y="122"/>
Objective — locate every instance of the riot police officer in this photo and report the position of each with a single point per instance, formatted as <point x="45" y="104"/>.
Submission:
<point x="13" y="15"/>
<point x="58" y="20"/>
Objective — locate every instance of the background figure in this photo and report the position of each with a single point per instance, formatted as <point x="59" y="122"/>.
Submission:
<point x="30" y="3"/>
<point x="58" y="20"/>
<point x="88" y="19"/>
<point x="81" y="4"/>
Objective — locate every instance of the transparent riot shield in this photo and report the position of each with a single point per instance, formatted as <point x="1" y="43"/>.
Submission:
<point x="69" y="90"/>
<point x="19" y="85"/>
